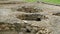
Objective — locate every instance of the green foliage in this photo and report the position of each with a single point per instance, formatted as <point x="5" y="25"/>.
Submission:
<point x="52" y="1"/>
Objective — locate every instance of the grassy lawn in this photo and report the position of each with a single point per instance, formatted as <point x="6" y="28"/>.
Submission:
<point x="52" y="1"/>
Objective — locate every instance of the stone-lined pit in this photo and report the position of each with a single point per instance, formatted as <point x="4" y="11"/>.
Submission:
<point x="29" y="9"/>
<point x="34" y="17"/>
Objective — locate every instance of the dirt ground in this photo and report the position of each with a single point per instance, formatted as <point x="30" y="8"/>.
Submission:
<point x="29" y="18"/>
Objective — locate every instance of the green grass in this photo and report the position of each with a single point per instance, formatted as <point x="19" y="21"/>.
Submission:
<point x="49" y="1"/>
<point x="52" y="1"/>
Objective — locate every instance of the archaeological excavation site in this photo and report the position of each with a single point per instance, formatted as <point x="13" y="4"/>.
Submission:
<point x="20" y="17"/>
